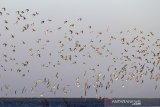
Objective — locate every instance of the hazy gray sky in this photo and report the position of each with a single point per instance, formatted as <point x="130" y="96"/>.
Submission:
<point x="121" y="13"/>
<point x="114" y="15"/>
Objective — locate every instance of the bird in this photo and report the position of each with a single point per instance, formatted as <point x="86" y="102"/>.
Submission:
<point x="12" y="35"/>
<point x="27" y="10"/>
<point x="79" y="19"/>
<point x="65" y="21"/>
<point x="4" y="9"/>
<point x="130" y="55"/>
<point x="42" y="22"/>
<point x="6" y="28"/>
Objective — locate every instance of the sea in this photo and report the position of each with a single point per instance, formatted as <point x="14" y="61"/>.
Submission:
<point x="79" y="102"/>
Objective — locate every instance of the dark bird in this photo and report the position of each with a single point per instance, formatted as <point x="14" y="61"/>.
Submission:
<point x="27" y="10"/>
<point x="6" y="28"/>
<point x="65" y="21"/>
<point x="71" y="31"/>
<point x="152" y="33"/>
<point x="80" y="19"/>
<point x="4" y="9"/>
<point x="39" y="55"/>
<point x="49" y="20"/>
<point x="42" y="22"/>
<point x="141" y="32"/>
<point x="12" y="36"/>
<point x="5" y="21"/>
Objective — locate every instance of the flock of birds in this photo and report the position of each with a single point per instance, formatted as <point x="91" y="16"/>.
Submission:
<point x="71" y="55"/>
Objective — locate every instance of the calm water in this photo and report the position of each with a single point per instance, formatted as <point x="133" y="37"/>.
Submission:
<point x="77" y="102"/>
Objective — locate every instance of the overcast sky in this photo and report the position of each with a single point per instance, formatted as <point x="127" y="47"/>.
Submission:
<point x="103" y="15"/>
